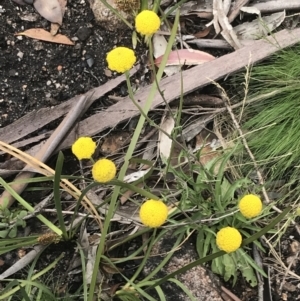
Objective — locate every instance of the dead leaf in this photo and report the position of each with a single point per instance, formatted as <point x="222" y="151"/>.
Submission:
<point x="159" y="49"/>
<point x="206" y="142"/>
<point x="186" y="57"/>
<point x="43" y="35"/>
<point x="260" y="27"/>
<point x="203" y="33"/>
<point x="115" y="142"/>
<point x="49" y="9"/>
<point x="164" y="142"/>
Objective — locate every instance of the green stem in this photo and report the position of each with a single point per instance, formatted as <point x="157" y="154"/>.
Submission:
<point x="128" y="156"/>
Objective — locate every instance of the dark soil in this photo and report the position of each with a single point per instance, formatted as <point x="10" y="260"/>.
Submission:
<point x="36" y="74"/>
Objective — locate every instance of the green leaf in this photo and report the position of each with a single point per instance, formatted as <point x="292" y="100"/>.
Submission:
<point x="13" y="232"/>
<point x="200" y="243"/>
<point x="3" y="233"/>
<point x="229" y="267"/>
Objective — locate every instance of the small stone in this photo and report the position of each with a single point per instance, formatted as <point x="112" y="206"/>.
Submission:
<point x="20" y="54"/>
<point x="83" y="33"/>
<point x="90" y="62"/>
<point x="57" y="85"/>
<point x="12" y="73"/>
<point x="48" y="83"/>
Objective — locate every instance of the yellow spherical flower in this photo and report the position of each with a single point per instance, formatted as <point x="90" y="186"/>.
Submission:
<point x="120" y="59"/>
<point x="104" y="170"/>
<point x="229" y="239"/>
<point x="147" y="22"/>
<point x="153" y="213"/>
<point x="84" y="148"/>
<point x="250" y="205"/>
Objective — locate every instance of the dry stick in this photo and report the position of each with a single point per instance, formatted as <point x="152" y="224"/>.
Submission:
<point x="295" y="258"/>
<point x="230" y="294"/>
<point x="236" y="9"/>
<point x="227" y="32"/>
<point x="276" y="5"/>
<point x="258" y="261"/>
<point x="46" y="150"/>
<point x="23" y="262"/>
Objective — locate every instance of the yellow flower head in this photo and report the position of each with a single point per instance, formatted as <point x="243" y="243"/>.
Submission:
<point x="147" y="22"/>
<point x="104" y="170"/>
<point x="250" y="205"/>
<point x="153" y="213"/>
<point x="120" y="59"/>
<point x="84" y="148"/>
<point x="229" y="239"/>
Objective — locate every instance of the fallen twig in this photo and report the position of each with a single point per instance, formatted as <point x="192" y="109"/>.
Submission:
<point x="276" y="5"/>
<point x="236" y="9"/>
<point x="23" y="262"/>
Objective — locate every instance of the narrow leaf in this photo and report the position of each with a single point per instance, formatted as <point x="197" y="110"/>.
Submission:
<point x="43" y="35"/>
<point x="186" y="57"/>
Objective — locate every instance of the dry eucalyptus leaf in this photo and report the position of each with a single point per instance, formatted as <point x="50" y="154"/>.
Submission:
<point x="50" y="10"/>
<point x="186" y="57"/>
<point x="43" y="35"/>
<point x="159" y="49"/>
<point x="164" y="142"/>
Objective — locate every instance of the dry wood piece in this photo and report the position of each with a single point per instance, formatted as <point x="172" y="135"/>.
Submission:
<point x="276" y="5"/>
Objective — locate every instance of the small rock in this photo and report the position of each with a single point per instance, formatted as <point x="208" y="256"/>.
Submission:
<point x="20" y="54"/>
<point x="48" y="83"/>
<point x="90" y="62"/>
<point x="83" y="33"/>
<point x="13" y="73"/>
